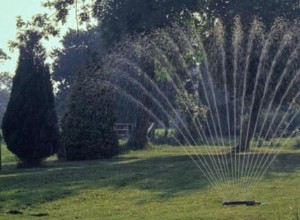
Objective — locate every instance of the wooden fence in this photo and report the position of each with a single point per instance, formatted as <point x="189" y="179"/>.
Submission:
<point x="123" y="130"/>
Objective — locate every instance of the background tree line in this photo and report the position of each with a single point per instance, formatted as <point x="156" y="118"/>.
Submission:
<point x="118" y="21"/>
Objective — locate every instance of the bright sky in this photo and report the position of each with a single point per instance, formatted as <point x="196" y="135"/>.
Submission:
<point x="9" y="10"/>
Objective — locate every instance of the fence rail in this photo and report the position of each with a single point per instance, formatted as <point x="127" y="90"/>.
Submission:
<point x="123" y="129"/>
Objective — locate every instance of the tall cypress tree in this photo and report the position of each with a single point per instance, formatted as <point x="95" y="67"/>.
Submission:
<point x="30" y="123"/>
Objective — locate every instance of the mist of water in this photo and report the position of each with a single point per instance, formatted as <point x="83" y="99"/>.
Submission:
<point x="219" y="92"/>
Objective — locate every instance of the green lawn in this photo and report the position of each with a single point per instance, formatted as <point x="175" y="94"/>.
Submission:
<point x="161" y="182"/>
<point x="7" y="157"/>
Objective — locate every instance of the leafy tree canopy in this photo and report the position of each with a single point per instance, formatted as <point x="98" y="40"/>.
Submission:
<point x="5" y="85"/>
<point x="80" y="48"/>
<point x="3" y="56"/>
<point x="119" y="18"/>
<point x="266" y="10"/>
<point x="116" y="17"/>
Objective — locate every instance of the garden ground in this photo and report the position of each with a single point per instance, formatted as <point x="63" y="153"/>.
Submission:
<point x="161" y="182"/>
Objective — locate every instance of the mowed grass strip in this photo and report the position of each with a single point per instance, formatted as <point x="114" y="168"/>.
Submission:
<point x="161" y="182"/>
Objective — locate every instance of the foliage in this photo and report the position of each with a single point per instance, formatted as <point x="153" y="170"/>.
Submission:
<point x="195" y="116"/>
<point x="296" y="132"/>
<point x="3" y="56"/>
<point x="259" y="69"/>
<point x="5" y="81"/>
<point x="6" y="155"/>
<point x="5" y="87"/>
<point x="80" y="48"/>
<point x="190" y="103"/>
<point x="120" y="18"/>
<point x="149" y="69"/>
<point x="82" y="9"/>
<point x="160" y="132"/>
<point x="297" y="143"/>
<point x="275" y="124"/>
<point x="30" y="123"/>
<point x="267" y="11"/>
<point x="117" y="18"/>
<point x="164" y="137"/>
<point x="88" y="123"/>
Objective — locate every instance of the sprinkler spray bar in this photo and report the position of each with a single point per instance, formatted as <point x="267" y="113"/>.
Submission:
<point x="248" y="203"/>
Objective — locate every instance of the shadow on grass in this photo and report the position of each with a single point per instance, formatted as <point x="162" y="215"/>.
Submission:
<point x="166" y="176"/>
<point x="285" y="163"/>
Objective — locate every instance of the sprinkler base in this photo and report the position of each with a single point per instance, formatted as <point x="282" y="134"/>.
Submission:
<point x="248" y="203"/>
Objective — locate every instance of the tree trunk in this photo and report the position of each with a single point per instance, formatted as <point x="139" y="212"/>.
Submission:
<point x="167" y="124"/>
<point x="246" y="136"/>
<point x="138" y="138"/>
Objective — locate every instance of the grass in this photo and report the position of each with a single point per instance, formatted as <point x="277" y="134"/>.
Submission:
<point x="161" y="182"/>
<point x="7" y="156"/>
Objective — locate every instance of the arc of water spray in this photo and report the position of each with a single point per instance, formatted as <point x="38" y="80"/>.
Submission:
<point x="282" y="120"/>
<point x="277" y="111"/>
<point x="285" y="71"/>
<point x="264" y="52"/>
<point x="244" y="83"/>
<point x="210" y="132"/>
<point x="283" y="44"/>
<point x="240" y="168"/>
<point x="266" y="44"/>
<point x="258" y="174"/>
<point x="181" y="133"/>
<point x="214" y="123"/>
<point x="263" y="172"/>
<point x="236" y="44"/>
<point x="199" y="133"/>
<point x="293" y="56"/>
<point x="136" y="101"/>
<point x="224" y="74"/>
<point x="212" y="116"/>
<point x="208" y="103"/>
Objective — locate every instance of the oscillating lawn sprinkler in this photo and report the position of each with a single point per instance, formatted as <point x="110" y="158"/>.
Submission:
<point x="248" y="203"/>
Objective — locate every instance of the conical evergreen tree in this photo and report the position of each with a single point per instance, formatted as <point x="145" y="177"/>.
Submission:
<point x="88" y="123"/>
<point x="30" y="124"/>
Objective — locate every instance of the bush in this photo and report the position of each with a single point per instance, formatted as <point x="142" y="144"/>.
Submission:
<point x="296" y="133"/>
<point x="297" y="144"/>
<point x="88" y="124"/>
<point x="275" y="125"/>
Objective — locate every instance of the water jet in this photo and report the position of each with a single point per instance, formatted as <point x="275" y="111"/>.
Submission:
<point x="226" y="101"/>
